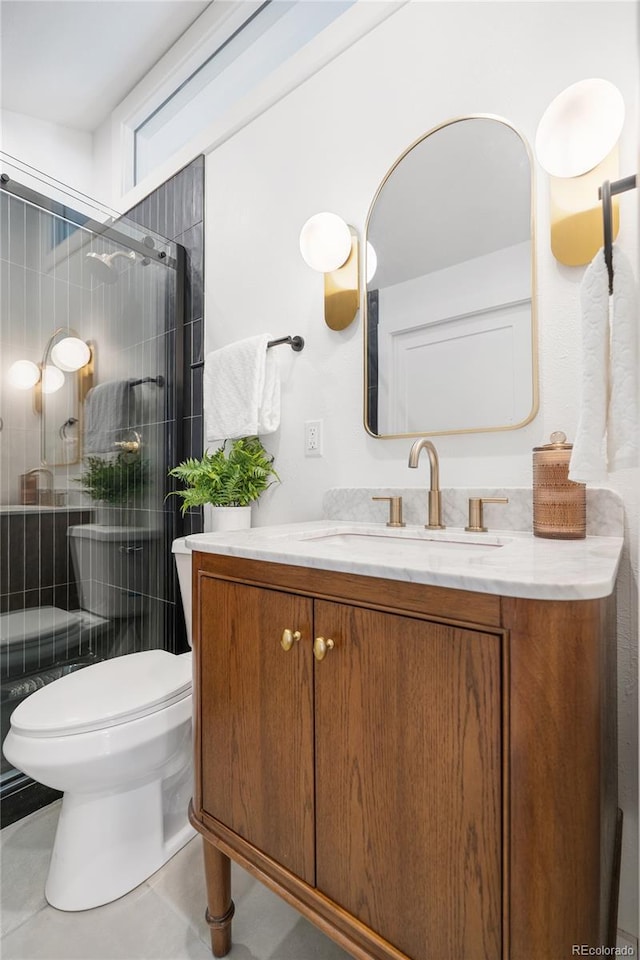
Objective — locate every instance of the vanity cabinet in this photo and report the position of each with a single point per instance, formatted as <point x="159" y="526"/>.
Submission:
<point x="438" y="786"/>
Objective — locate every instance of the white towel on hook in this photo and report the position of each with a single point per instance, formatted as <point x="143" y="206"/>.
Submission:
<point x="609" y="370"/>
<point x="241" y="390"/>
<point x="622" y="425"/>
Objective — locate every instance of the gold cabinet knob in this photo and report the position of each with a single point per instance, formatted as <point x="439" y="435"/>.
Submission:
<point x="288" y="638"/>
<point x="321" y="647"/>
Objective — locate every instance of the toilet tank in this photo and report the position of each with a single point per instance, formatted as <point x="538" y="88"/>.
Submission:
<point x="111" y="565"/>
<point x="182" y="554"/>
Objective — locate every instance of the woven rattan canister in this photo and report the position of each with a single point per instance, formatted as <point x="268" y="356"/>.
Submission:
<point x="559" y="504"/>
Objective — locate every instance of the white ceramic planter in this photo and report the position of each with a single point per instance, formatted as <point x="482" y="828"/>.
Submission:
<point x="217" y="519"/>
<point x="109" y="516"/>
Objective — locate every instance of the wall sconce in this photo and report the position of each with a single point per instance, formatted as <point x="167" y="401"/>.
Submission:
<point x="330" y="245"/>
<point x="577" y="145"/>
<point x="372" y="262"/>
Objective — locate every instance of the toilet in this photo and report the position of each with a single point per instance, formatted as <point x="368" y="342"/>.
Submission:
<point x="115" y="737"/>
<point x="111" y="567"/>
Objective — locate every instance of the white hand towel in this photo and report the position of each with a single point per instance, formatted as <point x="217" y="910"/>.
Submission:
<point x="107" y="411"/>
<point x="241" y="388"/>
<point x="609" y="372"/>
<point x="588" y="457"/>
<point x="622" y="425"/>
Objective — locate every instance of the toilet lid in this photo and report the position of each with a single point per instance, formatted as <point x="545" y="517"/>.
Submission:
<point x="105" y="694"/>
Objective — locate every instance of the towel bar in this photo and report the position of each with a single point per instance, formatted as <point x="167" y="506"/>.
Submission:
<point x="159" y="380"/>
<point x="296" y="344"/>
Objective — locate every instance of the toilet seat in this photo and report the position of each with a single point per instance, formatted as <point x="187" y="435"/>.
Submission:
<point x="105" y="694"/>
<point x="36" y="637"/>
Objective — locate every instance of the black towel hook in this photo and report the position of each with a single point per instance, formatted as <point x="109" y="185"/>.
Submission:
<point x="605" y="193"/>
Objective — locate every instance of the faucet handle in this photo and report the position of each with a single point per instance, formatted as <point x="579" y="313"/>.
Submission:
<point x="395" y="511"/>
<point x="475" y="512"/>
<point x="130" y="446"/>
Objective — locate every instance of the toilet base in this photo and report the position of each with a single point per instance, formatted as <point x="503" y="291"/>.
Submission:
<point x="107" y="844"/>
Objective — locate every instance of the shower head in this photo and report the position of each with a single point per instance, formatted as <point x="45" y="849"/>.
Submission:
<point x="101" y="264"/>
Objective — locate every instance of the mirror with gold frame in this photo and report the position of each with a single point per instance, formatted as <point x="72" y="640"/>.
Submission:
<point x="59" y="397"/>
<point x="450" y="319"/>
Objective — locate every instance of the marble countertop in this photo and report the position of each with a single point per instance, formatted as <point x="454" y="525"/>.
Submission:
<point x="508" y="562"/>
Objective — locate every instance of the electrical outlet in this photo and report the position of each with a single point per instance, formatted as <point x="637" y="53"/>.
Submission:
<point x="313" y="438"/>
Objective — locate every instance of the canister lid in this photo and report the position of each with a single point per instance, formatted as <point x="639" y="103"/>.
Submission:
<point x="558" y="442"/>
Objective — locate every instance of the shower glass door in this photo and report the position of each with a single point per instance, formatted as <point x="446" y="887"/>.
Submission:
<point x="91" y="313"/>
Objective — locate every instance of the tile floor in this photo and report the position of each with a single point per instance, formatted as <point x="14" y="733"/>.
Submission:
<point x="162" y="919"/>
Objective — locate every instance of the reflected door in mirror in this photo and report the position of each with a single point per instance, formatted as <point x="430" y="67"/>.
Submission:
<point x="450" y="331"/>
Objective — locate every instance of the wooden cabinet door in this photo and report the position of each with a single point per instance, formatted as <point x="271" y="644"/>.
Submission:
<point x="408" y="780"/>
<point x="257" y="719"/>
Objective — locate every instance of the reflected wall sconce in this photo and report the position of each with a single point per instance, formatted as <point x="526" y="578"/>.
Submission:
<point x="23" y="374"/>
<point x="330" y="246"/>
<point x="62" y="355"/>
<point x="577" y="145"/>
<point x="51" y="378"/>
<point x="70" y="354"/>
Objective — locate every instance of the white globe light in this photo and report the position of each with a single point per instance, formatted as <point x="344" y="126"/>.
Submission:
<point x="23" y="374"/>
<point x="52" y="379"/>
<point x="70" y="354"/>
<point x="580" y="128"/>
<point x="372" y="262"/>
<point x="325" y="242"/>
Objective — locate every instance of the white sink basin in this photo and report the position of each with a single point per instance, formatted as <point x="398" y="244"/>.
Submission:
<point x="409" y="542"/>
<point x="528" y="567"/>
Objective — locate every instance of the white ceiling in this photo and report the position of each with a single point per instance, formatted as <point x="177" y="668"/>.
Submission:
<point x="73" y="61"/>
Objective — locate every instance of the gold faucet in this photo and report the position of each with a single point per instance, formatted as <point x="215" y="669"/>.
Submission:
<point x="434" y="512"/>
<point x="44" y="497"/>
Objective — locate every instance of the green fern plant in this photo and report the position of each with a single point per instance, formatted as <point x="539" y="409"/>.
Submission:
<point x="118" y="482"/>
<point x="226" y="479"/>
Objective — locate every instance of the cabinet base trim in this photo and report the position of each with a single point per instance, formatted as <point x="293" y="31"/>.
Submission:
<point x="350" y="934"/>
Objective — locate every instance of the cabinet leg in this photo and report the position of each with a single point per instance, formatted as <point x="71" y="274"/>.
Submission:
<point x="220" y="907"/>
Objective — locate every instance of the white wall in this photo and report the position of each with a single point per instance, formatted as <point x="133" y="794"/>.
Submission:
<point x="59" y="152"/>
<point x="326" y="146"/>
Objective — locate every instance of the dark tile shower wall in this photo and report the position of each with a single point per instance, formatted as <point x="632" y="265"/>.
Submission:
<point x="176" y="211"/>
<point x="35" y="569"/>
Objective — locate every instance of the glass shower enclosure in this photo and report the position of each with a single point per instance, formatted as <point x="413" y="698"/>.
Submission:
<point x="91" y="314"/>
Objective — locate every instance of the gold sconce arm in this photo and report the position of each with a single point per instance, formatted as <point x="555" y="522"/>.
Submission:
<point x="342" y="290"/>
<point x="86" y="374"/>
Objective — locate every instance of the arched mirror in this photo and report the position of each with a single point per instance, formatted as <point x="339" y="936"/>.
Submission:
<point x="450" y="331"/>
